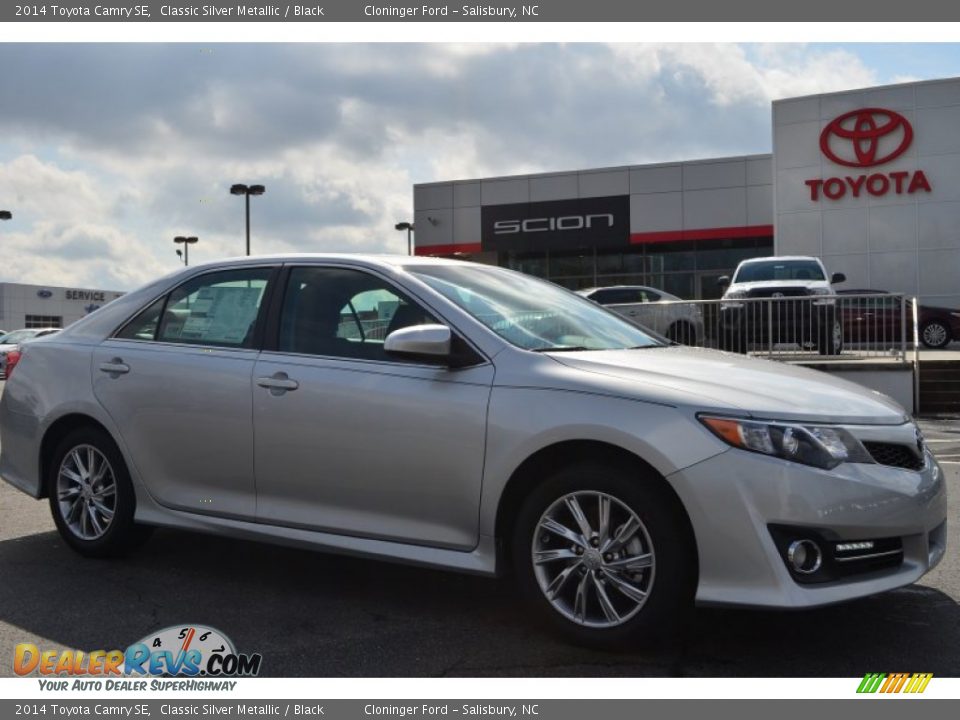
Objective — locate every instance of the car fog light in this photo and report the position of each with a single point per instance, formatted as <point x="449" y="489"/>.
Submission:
<point x="804" y="556"/>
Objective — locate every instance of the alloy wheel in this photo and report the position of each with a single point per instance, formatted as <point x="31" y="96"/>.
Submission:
<point x="934" y="334"/>
<point x="86" y="492"/>
<point x="593" y="559"/>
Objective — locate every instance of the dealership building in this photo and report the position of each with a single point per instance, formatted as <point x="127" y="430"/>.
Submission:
<point x="43" y="306"/>
<point x="867" y="180"/>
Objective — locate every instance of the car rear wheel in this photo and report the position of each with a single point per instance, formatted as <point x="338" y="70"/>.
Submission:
<point x="91" y="496"/>
<point x="935" y="334"/>
<point x="604" y="555"/>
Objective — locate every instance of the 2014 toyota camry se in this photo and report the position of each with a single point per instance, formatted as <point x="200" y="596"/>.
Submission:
<point x="468" y="417"/>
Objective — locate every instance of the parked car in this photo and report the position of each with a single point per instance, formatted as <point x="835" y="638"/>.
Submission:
<point x="878" y="318"/>
<point x="660" y="311"/>
<point x="799" y="306"/>
<point x="11" y="342"/>
<point x="500" y="422"/>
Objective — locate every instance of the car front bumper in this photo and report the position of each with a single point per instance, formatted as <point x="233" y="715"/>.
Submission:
<point x="734" y="498"/>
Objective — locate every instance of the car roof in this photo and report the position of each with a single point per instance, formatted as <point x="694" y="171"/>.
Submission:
<point x="777" y="258"/>
<point x="384" y="259"/>
<point x="620" y="287"/>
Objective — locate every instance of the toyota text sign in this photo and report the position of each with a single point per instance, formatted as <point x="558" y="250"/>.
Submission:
<point x="867" y="138"/>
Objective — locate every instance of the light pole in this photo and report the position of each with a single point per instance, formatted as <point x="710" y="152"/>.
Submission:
<point x="409" y="227"/>
<point x="247" y="191"/>
<point x="186" y="242"/>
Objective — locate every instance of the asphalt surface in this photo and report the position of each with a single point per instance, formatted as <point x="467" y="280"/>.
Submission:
<point x="317" y="615"/>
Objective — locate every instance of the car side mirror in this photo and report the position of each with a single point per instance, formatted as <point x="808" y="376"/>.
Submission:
<point x="838" y="278"/>
<point x="429" y="343"/>
<point x="723" y="281"/>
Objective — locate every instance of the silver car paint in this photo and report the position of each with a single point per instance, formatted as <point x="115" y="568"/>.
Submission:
<point x="637" y="400"/>
<point x="387" y="450"/>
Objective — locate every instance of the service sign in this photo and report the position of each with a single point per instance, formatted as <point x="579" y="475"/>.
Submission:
<point x="557" y="224"/>
<point x="859" y="141"/>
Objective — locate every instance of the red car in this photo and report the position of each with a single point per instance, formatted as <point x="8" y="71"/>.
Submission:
<point x="877" y="319"/>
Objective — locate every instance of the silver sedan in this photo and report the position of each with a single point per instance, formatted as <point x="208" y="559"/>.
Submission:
<point x="470" y="418"/>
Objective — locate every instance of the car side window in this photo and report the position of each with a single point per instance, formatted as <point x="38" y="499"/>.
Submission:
<point x="144" y="325"/>
<point x="345" y="313"/>
<point x="218" y="309"/>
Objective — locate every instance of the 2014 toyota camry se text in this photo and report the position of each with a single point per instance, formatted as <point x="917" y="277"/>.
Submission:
<point x="468" y="417"/>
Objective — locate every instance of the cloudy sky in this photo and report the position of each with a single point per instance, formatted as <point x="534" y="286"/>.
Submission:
<point x="108" y="151"/>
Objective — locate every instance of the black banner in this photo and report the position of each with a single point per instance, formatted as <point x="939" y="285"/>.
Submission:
<point x="557" y="224"/>
<point x="196" y="707"/>
<point x="532" y="11"/>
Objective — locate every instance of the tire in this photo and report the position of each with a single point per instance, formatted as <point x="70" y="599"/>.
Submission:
<point x="85" y="524"/>
<point x="662" y="547"/>
<point x="733" y="340"/>
<point x="935" y="334"/>
<point x="830" y="336"/>
<point x="682" y="332"/>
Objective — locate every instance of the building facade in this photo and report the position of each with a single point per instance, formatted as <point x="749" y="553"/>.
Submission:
<point x="35" y="306"/>
<point x="868" y="180"/>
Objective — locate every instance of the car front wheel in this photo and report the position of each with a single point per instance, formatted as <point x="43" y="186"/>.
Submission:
<point x="605" y="555"/>
<point x="830" y="341"/>
<point x="91" y="496"/>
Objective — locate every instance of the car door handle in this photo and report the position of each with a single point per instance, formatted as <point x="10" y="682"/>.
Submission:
<point x="115" y="367"/>
<point x="278" y="382"/>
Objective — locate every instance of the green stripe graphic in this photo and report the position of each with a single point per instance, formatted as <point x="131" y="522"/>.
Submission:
<point x="871" y="682"/>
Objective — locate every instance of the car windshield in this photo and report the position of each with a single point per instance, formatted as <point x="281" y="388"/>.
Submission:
<point x="17" y="336"/>
<point x="779" y="270"/>
<point x="530" y="313"/>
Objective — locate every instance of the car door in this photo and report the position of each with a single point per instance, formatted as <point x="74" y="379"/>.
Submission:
<point x="349" y="440"/>
<point x="176" y="381"/>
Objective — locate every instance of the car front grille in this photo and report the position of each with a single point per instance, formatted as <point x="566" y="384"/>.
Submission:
<point x="894" y="455"/>
<point x="779" y="292"/>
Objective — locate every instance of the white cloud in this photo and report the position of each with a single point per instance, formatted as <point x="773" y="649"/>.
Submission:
<point x="126" y="146"/>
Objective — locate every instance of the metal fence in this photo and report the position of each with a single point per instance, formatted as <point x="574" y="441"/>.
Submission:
<point x="799" y="327"/>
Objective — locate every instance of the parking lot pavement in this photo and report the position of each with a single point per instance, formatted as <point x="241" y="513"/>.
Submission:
<point x="311" y="614"/>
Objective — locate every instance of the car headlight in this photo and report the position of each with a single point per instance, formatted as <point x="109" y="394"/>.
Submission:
<point x="820" y="446"/>
<point x="735" y="294"/>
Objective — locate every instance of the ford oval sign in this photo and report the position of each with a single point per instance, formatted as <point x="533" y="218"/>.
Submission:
<point x="860" y="133"/>
<point x="44" y="293"/>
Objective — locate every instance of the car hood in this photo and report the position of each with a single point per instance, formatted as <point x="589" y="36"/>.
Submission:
<point x="778" y="283"/>
<point x="709" y="379"/>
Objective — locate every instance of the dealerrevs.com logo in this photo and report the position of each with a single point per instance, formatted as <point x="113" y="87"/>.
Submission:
<point x="867" y="138"/>
<point x="178" y="651"/>
<point x="854" y="138"/>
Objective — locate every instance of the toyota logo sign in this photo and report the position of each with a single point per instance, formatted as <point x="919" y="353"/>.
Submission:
<point x="865" y="138"/>
<point x="856" y="137"/>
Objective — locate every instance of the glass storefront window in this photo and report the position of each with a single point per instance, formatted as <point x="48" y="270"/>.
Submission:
<point x="687" y="269"/>
<point x="530" y="263"/>
<point x="726" y="254"/>
<point x="576" y="262"/>
<point x="670" y="257"/>
<point x="679" y="284"/>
